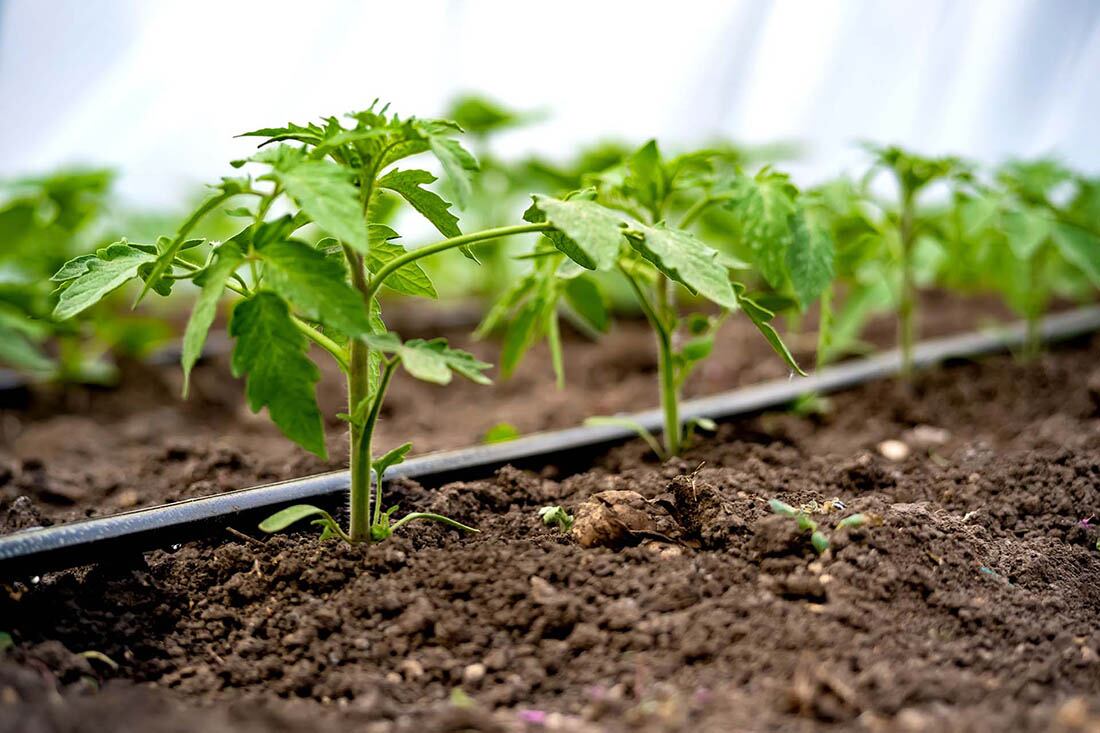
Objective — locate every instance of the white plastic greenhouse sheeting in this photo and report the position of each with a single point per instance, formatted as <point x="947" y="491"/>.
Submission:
<point x="159" y="87"/>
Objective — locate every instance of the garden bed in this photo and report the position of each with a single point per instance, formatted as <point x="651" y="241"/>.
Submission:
<point x="967" y="601"/>
<point x="88" y="452"/>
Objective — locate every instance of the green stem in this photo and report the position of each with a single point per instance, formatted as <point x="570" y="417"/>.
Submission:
<point x="398" y="262"/>
<point x="824" y="327"/>
<point x="368" y="433"/>
<point x="907" y="301"/>
<point x="162" y="266"/>
<point x="694" y="211"/>
<point x="359" y="444"/>
<point x="670" y="396"/>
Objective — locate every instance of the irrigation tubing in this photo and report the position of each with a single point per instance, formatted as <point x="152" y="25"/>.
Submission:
<point x="34" y="551"/>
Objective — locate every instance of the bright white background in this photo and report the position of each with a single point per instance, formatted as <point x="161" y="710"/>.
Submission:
<point x="159" y="87"/>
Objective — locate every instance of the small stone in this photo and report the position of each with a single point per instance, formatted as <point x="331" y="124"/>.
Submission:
<point x="473" y="673"/>
<point x="412" y="669"/>
<point x="622" y="614"/>
<point x="127" y="498"/>
<point x="926" y="437"/>
<point x="894" y="450"/>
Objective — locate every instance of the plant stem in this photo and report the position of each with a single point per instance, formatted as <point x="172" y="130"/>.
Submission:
<point x="670" y="397"/>
<point x="398" y="262"/>
<point x="907" y="300"/>
<point x="368" y="432"/>
<point x="824" y="327"/>
<point x="358" y="379"/>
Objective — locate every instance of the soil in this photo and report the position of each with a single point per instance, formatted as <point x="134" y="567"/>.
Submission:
<point x="82" y="452"/>
<point x="967" y="600"/>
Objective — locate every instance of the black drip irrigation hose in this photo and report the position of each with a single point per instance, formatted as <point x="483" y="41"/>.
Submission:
<point x="34" y="551"/>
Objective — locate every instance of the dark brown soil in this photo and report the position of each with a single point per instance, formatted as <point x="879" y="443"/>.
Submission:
<point x="968" y="600"/>
<point x="81" y="453"/>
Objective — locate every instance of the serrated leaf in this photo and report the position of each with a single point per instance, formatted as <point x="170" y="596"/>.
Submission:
<point x="272" y="353"/>
<point x="212" y="280"/>
<point x="310" y="134"/>
<point x="324" y="191"/>
<point x="111" y="267"/>
<point x="430" y="361"/>
<point x="1081" y="248"/>
<point x="315" y="285"/>
<point x="409" y="279"/>
<point x="409" y="185"/>
<point x="593" y="234"/>
<point x="810" y="260"/>
<point x="584" y="296"/>
<point x="765" y="205"/>
<point x="390" y="459"/>
<point x="683" y="257"/>
<point x="433" y="361"/>
<point x="73" y="269"/>
<point x="457" y="165"/>
<point x="761" y="318"/>
<point x="282" y="519"/>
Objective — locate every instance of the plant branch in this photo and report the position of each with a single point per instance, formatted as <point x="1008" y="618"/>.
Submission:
<point x="398" y="262"/>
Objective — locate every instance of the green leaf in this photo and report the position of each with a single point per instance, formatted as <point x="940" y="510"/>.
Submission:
<point x="584" y="296"/>
<point x="431" y="361"/>
<point x="18" y="352"/>
<point x="1081" y="248"/>
<point x="525" y="328"/>
<point x="593" y="234"/>
<point x="324" y="191"/>
<point x="227" y="258"/>
<point x="819" y="541"/>
<point x="765" y="205"/>
<point x="698" y="348"/>
<point x="282" y="519"/>
<point x="392" y="458"/>
<point x="310" y="134"/>
<point x="502" y="432"/>
<point x="810" y="260"/>
<point x="316" y="286"/>
<point x="683" y="257"/>
<point x="457" y="164"/>
<point x="1025" y="230"/>
<point x="852" y="522"/>
<point x="273" y="354"/>
<point x="409" y="184"/>
<point x="99" y="276"/>
<point x="634" y="425"/>
<point x="409" y="279"/>
<point x="760" y="318"/>
<point x="781" y="508"/>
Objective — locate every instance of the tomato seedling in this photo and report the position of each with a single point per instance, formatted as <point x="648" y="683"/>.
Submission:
<point x="913" y="175"/>
<point x="619" y="224"/>
<point x="1024" y="237"/>
<point x="290" y="292"/>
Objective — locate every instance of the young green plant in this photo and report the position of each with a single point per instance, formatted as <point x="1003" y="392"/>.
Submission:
<point x="913" y="174"/>
<point x="292" y="291"/>
<point x="620" y="225"/>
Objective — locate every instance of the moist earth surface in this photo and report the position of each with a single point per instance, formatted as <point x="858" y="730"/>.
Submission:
<point x="966" y="600"/>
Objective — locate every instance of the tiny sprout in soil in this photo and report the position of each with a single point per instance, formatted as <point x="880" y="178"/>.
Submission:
<point x="556" y="516"/>
<point x="807" y="525"/>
